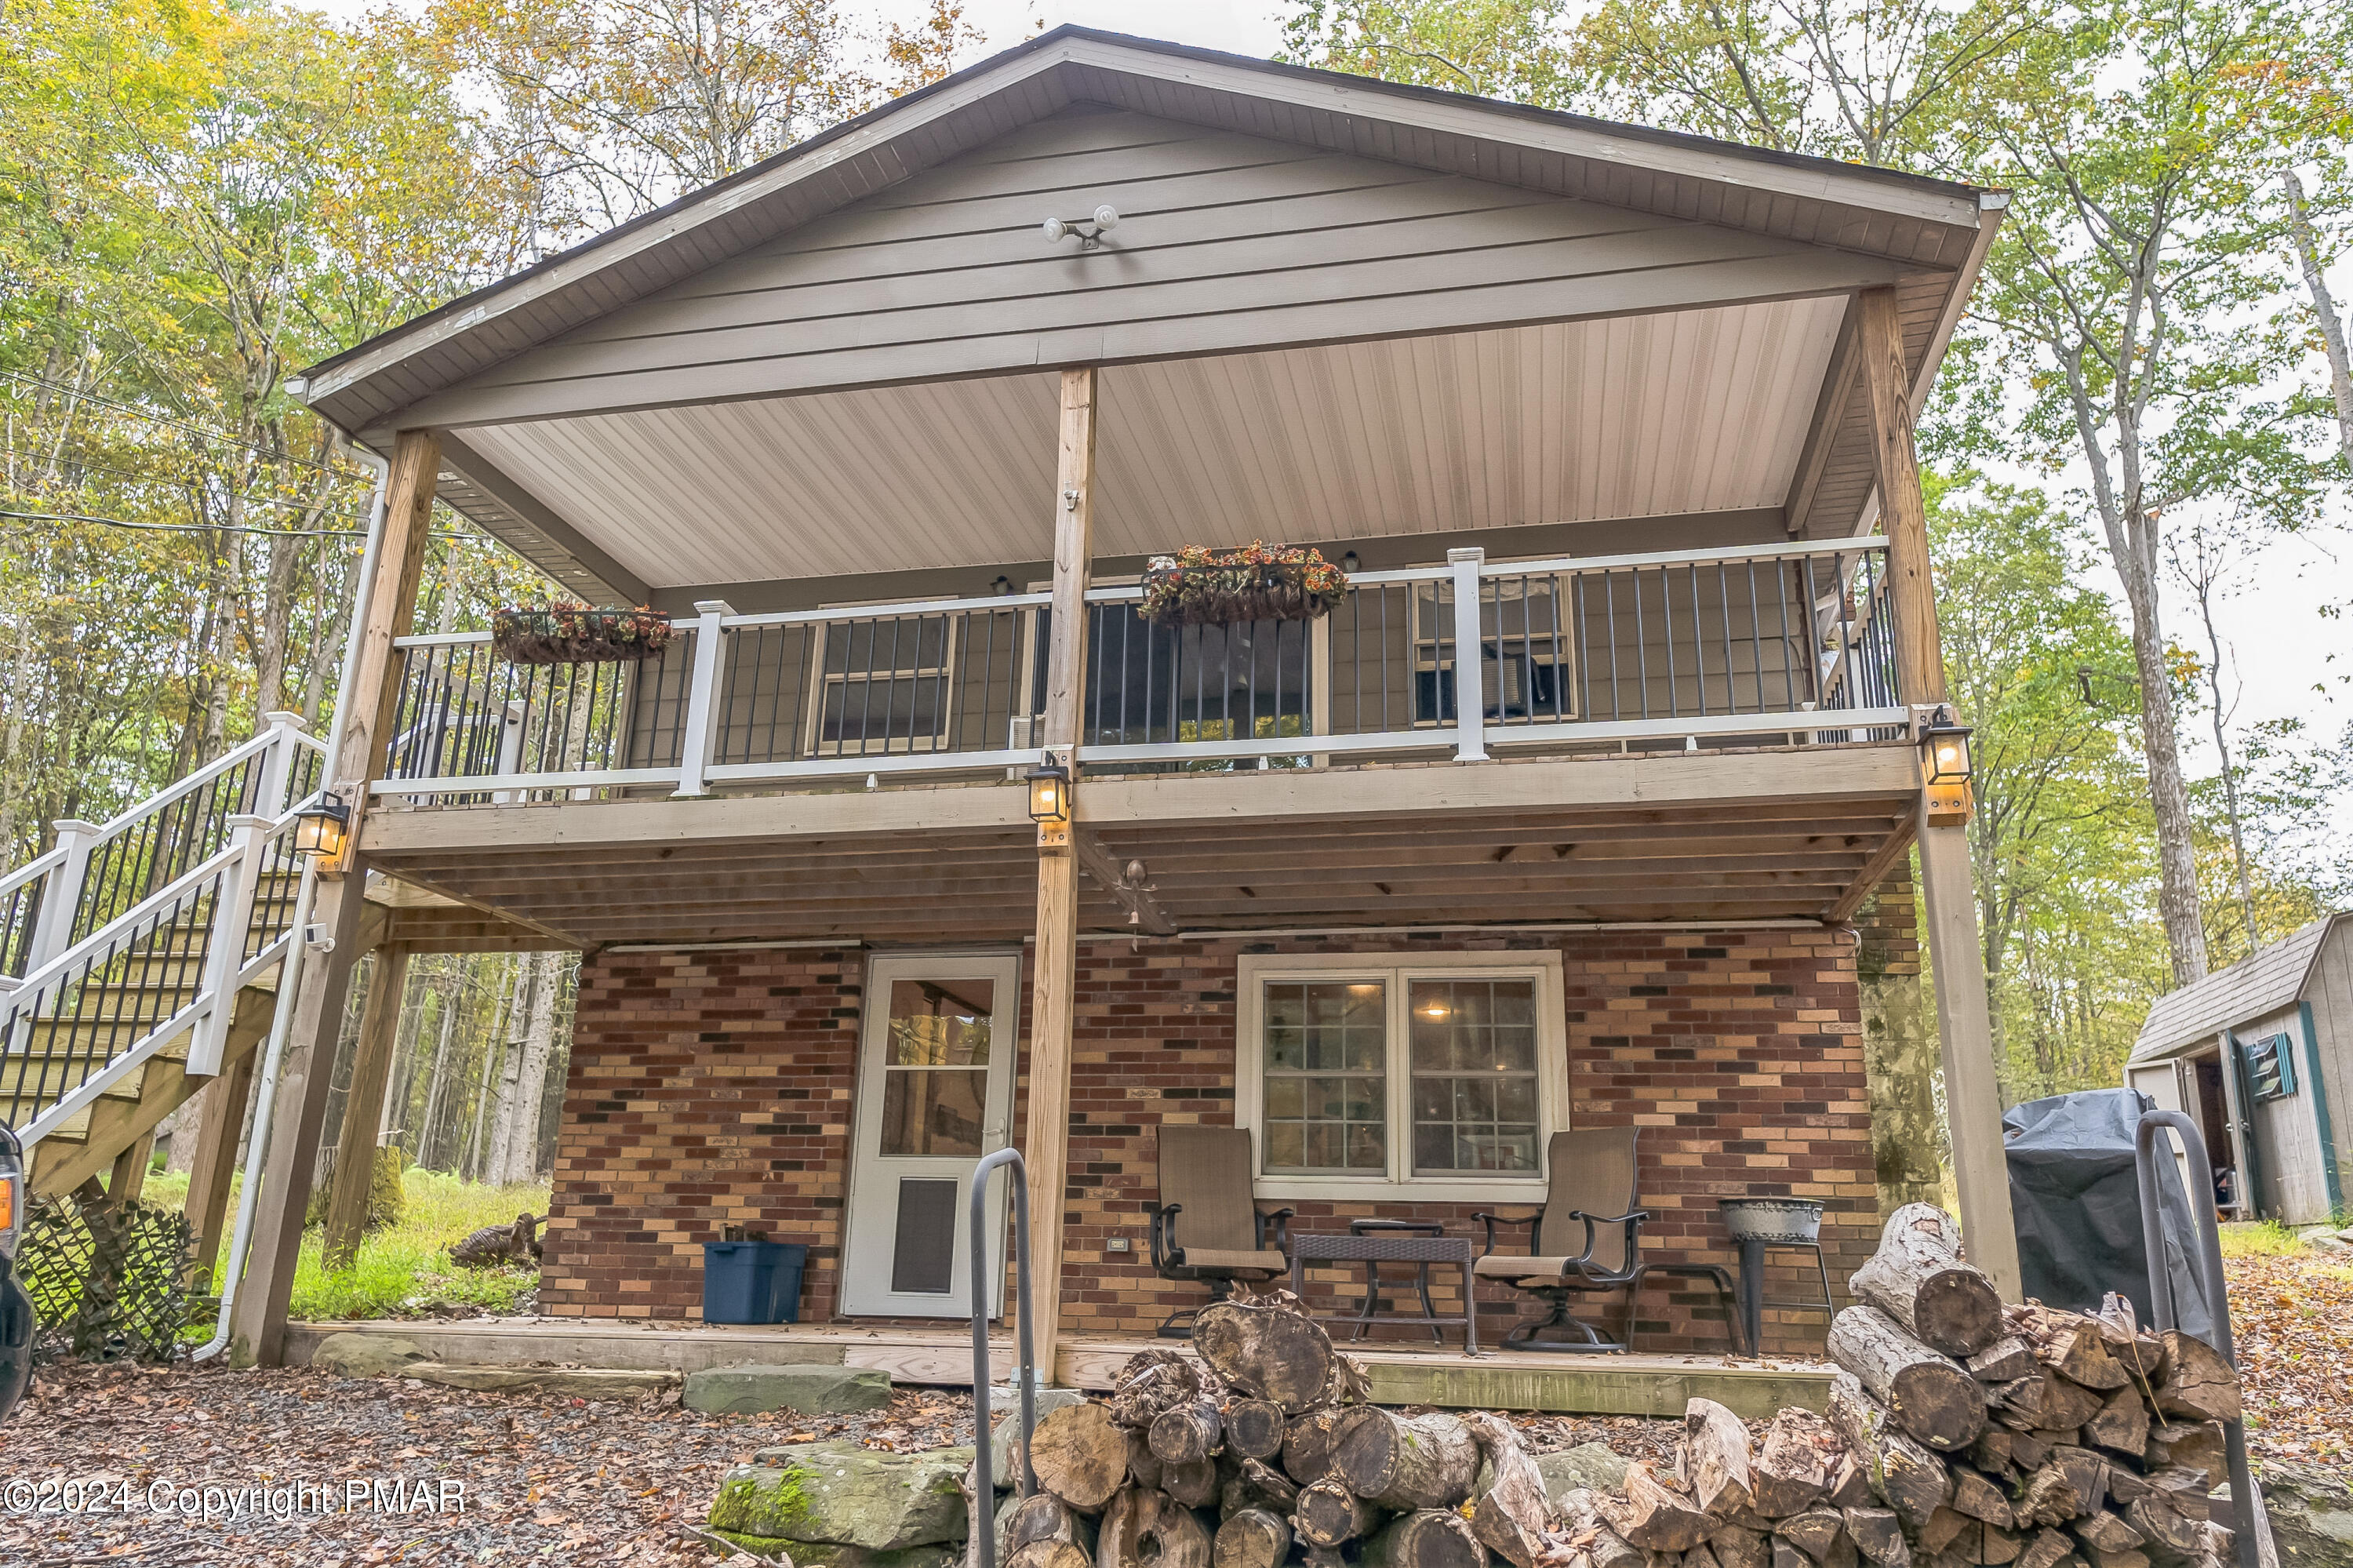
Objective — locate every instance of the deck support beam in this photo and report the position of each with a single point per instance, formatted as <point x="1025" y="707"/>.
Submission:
<point x="220" y="1128"/>
<point x="1948" y="894"/>
<point x="363" y="720"/>
<point x="354" y="1180"/>
<point x="1046" y="1152"/>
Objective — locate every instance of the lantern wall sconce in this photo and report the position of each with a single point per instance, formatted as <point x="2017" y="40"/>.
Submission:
<point x="1050" y="803"/>
<point x="322" y="830"/>
<point x="1945" y="767"/>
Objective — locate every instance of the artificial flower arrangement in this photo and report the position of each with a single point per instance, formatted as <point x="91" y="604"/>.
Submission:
<point x="1200" y="586"/>
<point x="569" y="632"/>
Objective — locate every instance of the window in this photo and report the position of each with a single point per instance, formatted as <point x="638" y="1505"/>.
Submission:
<point x="1441" y="1076"/>
<point x="1525" y="652"/>
<point x="884" y="685"/>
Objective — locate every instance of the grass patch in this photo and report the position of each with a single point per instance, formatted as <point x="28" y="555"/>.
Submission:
<point x="404" y="1270"/>
<point x="2261" y="1238"/>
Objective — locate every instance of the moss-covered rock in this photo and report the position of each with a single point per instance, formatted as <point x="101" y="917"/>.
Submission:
<point x="841" y="1494"/>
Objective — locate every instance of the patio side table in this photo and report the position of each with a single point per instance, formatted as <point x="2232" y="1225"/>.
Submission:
<point x="1373" y="1249"/>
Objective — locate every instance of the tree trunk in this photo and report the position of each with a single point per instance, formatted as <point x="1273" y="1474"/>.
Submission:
<point x="1268" y="1350"/>
<point x="1792" y="1469"/>
<point x="1512" y="1516"/>
<point x="1271" y="1484"/>
<point x="1253" y="1538"/>
<point x="1653" y="1516"/>
<point x="1188" y="1433"/>
<point x="2198" y="1383"/>
<point x="1307" y="1445"/>
<point x="2324" y="311"/>
<point x="1911" y="1478"/>
<point x="1049" y="1555"/>
<point x="2007" y="1359"/>
<point x="1814" y="1531"/>
<point x="436" y="1079"/>
<point x="1716" y="1442"/>
<point x="1195" y="1484"/>
<point x="1145" y="1528"/>
<point x="1581" y="1511"/>
<point x="1402" y="1464"/>
<point x="1042" y="1516"/>
<point x="530" y="1091"/>
<point x="2178" y="902"/>
<point x="1879" y="1536"/>
<point x="1254" y="1428"/>
<point x="1328" y="1513"/>
<point x="1428" y="1537"/>
<point x="1080" y="1455"/>
<point x="1932" y="1396"/>
<point x="1152" y="1380"/>
<point x="1918" y="1279"/>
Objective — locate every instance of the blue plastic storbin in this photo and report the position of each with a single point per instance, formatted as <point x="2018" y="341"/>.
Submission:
<point x="752" y="1281"/>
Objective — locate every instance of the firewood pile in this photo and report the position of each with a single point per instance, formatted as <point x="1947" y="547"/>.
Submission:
<point x="1959" y="1433"/>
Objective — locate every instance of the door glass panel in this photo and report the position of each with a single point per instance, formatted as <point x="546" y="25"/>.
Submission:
<point x="936" y="1068"/>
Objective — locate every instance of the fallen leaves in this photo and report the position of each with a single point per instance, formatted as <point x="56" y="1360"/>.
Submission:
<point x="2292" y="1319"/>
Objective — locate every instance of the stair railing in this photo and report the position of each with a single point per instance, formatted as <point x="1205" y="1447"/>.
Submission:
<point x="983" y="1505"/>
<point x="81" y="1022"/>
<point x="95" y="872"/>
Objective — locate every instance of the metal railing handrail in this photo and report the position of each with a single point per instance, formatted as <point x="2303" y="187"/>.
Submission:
<point x="1568" y="565"/>
<point x="132" y="816"/>
<point x="48" y="860"/>
<point x="984" y="1491"/>
<point x="179" y="886"/>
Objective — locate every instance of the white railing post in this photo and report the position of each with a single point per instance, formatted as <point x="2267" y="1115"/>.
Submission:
<point x="278" y="763"/>
<point x="702" y="698"/>
<point x="61" y="898"/>
<point x="1470" y="686"/>
<point x="232" y="923"/>
<point x="510" y="719"/>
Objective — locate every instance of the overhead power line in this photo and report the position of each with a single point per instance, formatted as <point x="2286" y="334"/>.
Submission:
<point x="137" y="412"/>
<point x="223" y="527"/>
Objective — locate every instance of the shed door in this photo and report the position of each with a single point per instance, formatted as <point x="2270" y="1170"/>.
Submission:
<point x="2161" y="1082"/>
<point x="935" y="1094"/>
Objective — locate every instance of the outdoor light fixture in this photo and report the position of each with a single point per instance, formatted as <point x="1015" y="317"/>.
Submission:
<point x="320" y="828"/>
<point x="1945" y="768"/>
<point x="1050" y="803"/>
<point x="1090" y="231"/>
<point x="1350" y="562"/>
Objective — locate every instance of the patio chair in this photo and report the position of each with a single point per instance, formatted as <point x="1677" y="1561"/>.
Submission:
<point x="1207" y="1228"/>
<point x="1585" y="1238"/>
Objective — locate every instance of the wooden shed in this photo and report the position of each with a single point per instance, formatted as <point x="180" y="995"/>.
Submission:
<point x="2258" y="1052"/>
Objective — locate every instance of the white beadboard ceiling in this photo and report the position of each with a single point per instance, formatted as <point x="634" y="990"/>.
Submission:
<point x="1635" y="417"/>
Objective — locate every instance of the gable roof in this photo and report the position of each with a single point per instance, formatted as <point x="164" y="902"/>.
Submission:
<point x="1904" y="218"/>
<point x="2263" y="982"/>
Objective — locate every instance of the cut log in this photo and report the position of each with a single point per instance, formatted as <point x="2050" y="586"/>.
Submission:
<point x="1787" y="1555"/>
<point x="1322" y="1557"/>
<point x="1996" y="1545"/>
<point x="1979" y="1499"/>
<point x="1792" y="1471"/>
<point x="1931" y="1396"/>
<point x="1995" y="1451"/>
<point x="1943" y="1528"/>
<point x="2198" y="1383"/>
<point x="1194" y="1483"/>
<point x="2070" y="1344"/>
<point x="2030" y="1451"/>
<point x="1878" y="1535"/>
<point x="1402" y="1464"/>
<point x="1268" y="1349"/>
<point x="1813" y="1532"/>
<point x="2047" y="1550"/>
<point x="2187" y="1488"/>
<point x="1143" y="1466"/>
<point x="2007" y="1359"/>
<point x="1918" y="1279"/>
<point x="2052" y="1497"/>
<point x="2138" y="1349"/>
<point x="2121" y="1427"/>
<point x="2104" y="1531"/>
<point x="1271" y="1484"/>
<point x="1512" y="1515"/>
<point x="1651" y="1514"/>
<point x="1254" y="1428"/>
<point x="1715" y="1445"/>
<point x="1152" y="1380"/>
<point x="1602" y="1546"/>
<point x="1739" y="1546"/>
<point x="1307" y="1445"/>
<point x="1700" y="1556"/>
<point x="1850" y="1482"/>
<point x="2168" y="1536"/>
<point x="1255" y="1537"/>
<point x="1426" y="1537"/>
<point x="1328" y="1513"/>
<point x="1080" y="1455"/>
<point x="1188" y="1433"/>
<point x="2046" y="1402"/>
<point x="1048" y="1554"/>
<point x="1042" y="1516"/>
<point x="1910" y="1477"/>
<point x="1145" y="1528"/>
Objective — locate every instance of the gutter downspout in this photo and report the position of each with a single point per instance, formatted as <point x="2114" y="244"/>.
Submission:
<point x="290" y="971"/>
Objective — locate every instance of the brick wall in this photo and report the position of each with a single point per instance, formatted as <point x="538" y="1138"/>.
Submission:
<point x="712" y="1087"/>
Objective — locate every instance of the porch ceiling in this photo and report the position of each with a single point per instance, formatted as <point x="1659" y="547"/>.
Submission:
<point x="1403" y="846"/>
<point x="1655" y="416"/>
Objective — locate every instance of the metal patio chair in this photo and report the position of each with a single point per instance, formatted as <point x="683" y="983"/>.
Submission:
<point x="1584" y="1239"/>
<point x="1208" y="1227"/>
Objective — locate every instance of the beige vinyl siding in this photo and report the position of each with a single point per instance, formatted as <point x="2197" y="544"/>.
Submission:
<point x="1225" y="242"/>
<point x="2294" y="1186"/>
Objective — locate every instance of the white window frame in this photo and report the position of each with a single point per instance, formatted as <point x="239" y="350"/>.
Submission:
<point x="1398" y="970"/>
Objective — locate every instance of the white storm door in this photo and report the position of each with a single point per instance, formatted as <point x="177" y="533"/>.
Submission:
<point x="934" y="1093"/>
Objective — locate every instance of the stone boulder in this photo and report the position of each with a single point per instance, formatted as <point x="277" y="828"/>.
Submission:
<point x="578" y="1383"/>
<point x="810" y="1390"/>
<point x="841" y="1494"/>
<point x="2312" y="1516"/>
<point x="368" y="1355"/>
<point x="1588" y="1465"/>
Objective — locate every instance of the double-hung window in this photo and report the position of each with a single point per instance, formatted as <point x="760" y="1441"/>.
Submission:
<point x="1365" y="1077"/>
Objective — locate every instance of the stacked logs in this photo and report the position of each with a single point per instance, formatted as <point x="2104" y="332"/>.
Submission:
<point x="1960" y="1432"/>
<point x="1263" y="1452"/>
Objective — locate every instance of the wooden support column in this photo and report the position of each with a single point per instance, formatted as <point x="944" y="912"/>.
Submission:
<point x="347" y="1205"/>
<point x="362" y="719"/>
<point x="1046" y="1152"/>
<point x="1948" y="895"/>
<point x="220" y="1128"/>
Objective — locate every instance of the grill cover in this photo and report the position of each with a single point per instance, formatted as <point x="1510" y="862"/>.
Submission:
<point x="2077" y="1197"/>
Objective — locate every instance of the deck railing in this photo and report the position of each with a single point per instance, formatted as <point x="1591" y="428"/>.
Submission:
<point x="1777" y="643"/>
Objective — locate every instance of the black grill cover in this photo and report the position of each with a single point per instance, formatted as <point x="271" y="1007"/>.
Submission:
<point x="2077" y="1201"/>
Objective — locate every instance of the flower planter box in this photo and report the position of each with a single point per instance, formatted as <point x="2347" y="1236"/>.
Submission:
<point x="1264" y="582"/>
<point x="577" y="635"/>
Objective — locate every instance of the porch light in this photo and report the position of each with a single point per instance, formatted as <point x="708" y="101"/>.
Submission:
<point x="1050" y="795"/>
<point x="1946" y="767"/>
<point x="320" y="828"/>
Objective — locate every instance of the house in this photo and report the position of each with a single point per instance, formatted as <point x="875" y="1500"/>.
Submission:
<point x="1580" y="806"/>
<point x="2256" y="1054"/>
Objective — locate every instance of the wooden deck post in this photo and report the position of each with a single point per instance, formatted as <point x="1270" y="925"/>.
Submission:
<point x="362" y="719"/>
<point x="347" y="1203"/>
<point x="1047" y="1150"/>
<point x="1948" y="895"/>
<point x="210" y="1175"/>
